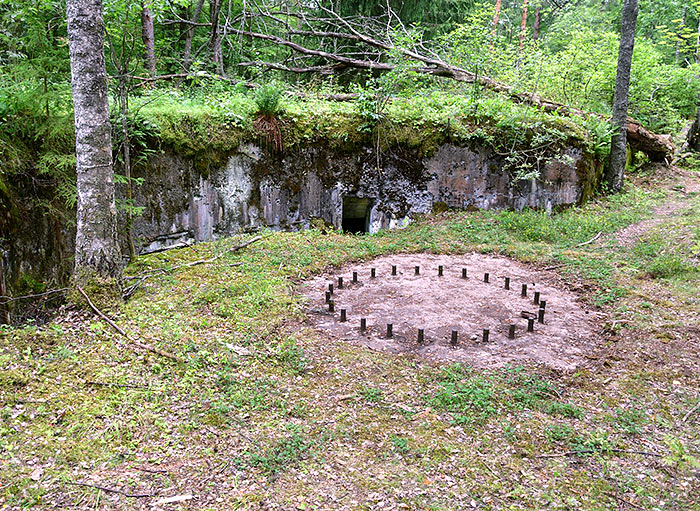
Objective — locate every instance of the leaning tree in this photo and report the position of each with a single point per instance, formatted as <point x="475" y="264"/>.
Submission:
<point x="97" y="254"/>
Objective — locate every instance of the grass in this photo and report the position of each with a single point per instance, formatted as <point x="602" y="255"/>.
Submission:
<point x="266" y="411"/>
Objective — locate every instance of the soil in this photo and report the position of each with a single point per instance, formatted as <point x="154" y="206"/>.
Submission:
<point x="439" y="305"/>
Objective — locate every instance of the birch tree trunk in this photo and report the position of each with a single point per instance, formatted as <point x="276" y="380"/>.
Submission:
<point x="496" y="15"/>
<point x="148" y="37"/>
<point x="215" y="39"/>
<point x="97" y="254"/>
<point x="618" y="150"/>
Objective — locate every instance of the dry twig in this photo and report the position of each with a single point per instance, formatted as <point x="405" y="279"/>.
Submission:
<point x="690" y="412"/>
<point x="593" y="451"/>
<point x="135" y="342"/>
<point x="114" y="490"/>
<point x="590" y="240"/>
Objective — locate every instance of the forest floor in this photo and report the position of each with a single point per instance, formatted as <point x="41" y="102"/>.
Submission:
<point x="269" y="411"/>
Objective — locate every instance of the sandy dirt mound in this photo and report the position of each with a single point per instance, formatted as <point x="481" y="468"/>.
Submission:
<point x="441" y="304"/>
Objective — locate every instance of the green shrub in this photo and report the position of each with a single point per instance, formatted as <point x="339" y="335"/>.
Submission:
<point x="268" y="99"/>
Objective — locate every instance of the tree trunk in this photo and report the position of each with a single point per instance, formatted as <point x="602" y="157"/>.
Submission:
<point x="147" y="34"/>
<point x="126" y="153"/>
<point x="495" y="22"/>
<point x="697" y="44"/>
<point x="215" y="38"/>
<point x="4" y="307"/>
<point x="97" y="254"/>
<point x="187" y="57"/>
<point x="536" y="25"/>
<point x="618" y="151"/>
<point x="523" y="26"/>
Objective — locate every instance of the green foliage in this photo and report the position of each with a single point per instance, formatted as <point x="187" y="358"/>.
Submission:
<point x="400" y="444"/>
<point x="286" y="452"/>
<point x="268" y="99"/>
<point x="575" y="63"/>
<point x="468" y="396"/>
<point x="661" y="257"/>
<point x="559" y="433"/>
<point x="630" y="420"/>
<point x="472" y="398"/>
<point x="679" y="455"/>
<point x="371" y="394"/>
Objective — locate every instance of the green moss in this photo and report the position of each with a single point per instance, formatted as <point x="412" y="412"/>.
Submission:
<point x="104" y="292"/>
<point x="10" y="378"/>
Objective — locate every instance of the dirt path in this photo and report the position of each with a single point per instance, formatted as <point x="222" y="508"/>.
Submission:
<point x="682" y="181"/>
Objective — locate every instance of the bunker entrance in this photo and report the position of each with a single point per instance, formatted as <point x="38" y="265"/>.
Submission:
<point x="356" y="214"/>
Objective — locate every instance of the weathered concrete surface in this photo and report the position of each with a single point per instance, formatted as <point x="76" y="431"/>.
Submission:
<point x="256" y="190"/>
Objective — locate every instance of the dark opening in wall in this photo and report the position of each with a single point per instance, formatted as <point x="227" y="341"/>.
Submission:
<point x="356" y="214"/>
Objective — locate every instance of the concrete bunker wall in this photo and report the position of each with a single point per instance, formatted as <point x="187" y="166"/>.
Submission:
<point x="254" y="189"/>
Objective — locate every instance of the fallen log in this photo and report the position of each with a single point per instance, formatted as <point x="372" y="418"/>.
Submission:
<point x="657" y="147"/>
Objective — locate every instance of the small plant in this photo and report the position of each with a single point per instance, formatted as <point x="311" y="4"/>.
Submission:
<point x="469" y="397"/>
<point x="630" y="421"/>
<point x="291" y="355"/>
<point x="563" y="409"/>
<point x="400" y="444"/>
<point x="678" y="455"/>
<point x="371" y="394"/>
<point x="558" y="433"/>
<point x="286" y="452"/>
<point x="268" y="101"/>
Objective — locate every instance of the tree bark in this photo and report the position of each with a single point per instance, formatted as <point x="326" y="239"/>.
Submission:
<point x="97" y="254"/>
<point x="523" y="26"/>
<point x="618" y="152"/>
<point x="187" y="57"/>
<point x="148" y="37"/>
<point x="680" y="32"/>
<point x="496" y="15"/>
<point x="536" y="25"/>
<point x="215" y="38"/>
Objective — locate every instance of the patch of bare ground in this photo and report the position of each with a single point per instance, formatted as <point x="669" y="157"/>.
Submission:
<point x="439" y="305"/>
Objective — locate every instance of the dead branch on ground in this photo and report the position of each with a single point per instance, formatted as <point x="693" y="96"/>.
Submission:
<point x="133" y="341"/>
<point x="113" y="490"/>
<point x="130" y="290"/>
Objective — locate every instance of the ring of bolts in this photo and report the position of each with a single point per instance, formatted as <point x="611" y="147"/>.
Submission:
<point x="454" y="337"/>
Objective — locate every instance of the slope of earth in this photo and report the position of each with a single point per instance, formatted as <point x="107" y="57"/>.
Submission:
<point x="265" y="412"/>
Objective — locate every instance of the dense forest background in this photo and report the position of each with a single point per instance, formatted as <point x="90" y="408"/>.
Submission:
<point x="565" y="51"/>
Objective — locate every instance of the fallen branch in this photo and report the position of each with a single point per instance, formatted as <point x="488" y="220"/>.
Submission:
<point x="135" y="342"/>
<point x="690" y="412"/>
<point x="593" y="451"/>
<point x="107" y="384"/>
<point x="114" y="490"/>
<point x="590" y="240"/>
<point x="657" y="147"/>
<point x="620" y="499"/>
<point x="8" y="299"/>
<point x="553" y="267"/>
<point x="129" y="291"/>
